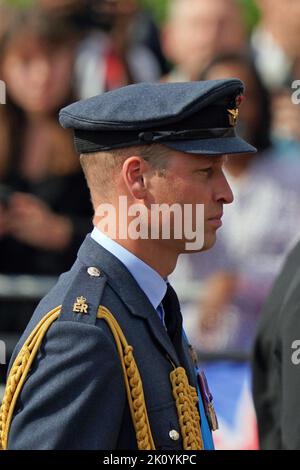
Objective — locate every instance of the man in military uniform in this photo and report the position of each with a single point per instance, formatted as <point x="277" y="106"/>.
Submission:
<point x="104" y="362"/>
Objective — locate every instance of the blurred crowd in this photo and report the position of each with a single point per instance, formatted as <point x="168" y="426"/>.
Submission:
<point x="54" y="52"/>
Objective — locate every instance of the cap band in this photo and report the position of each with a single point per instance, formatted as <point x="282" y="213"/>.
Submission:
<point x="186" y="135"/>
<point x="90" y="141"/>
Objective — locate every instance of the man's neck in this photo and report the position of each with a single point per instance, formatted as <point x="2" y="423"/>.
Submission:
<point x="153" y="253"/>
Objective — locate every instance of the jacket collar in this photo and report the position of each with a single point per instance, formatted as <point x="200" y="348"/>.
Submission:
<point x="153" y="285"/>
<point x="127" y="288"/>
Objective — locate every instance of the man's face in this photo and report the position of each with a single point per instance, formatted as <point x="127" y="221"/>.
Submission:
<point x="192" y="179"/>
<point x="282" y="18"/>
<point x="201" y="29"/>
<point x="38" y="76"/>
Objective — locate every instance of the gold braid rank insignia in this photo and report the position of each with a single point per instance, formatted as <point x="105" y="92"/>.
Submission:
<point x="80" y="306"/>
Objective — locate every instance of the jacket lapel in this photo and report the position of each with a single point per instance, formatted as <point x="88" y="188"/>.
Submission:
<point x="126" y="287"/>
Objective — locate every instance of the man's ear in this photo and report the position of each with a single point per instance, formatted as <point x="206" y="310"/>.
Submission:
<point x="133" y="171"/>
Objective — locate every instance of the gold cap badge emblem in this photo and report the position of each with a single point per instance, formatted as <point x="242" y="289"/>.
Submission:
<point x="233" y="116"/>
<point x="234" y="112"/>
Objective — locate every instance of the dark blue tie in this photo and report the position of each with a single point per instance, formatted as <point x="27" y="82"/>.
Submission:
<point x="173" y="318"/>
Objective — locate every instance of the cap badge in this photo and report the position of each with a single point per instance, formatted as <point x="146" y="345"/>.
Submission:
<point x="80" y="306"/>
<point x="234" y="112"/>
<point x="233" y="116"/>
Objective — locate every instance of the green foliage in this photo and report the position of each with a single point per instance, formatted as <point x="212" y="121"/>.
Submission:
<point x="251" y="13"/>
<point x="157" y="7"/>
<point x="18" y="3"/>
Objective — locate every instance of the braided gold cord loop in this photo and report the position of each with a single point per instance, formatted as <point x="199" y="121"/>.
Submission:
<point x="138" y="400"/>
<point x="15" y="376"/>
<point x="187" y="410"/>
<point x="184" y="394"/>
<point x="19" y="371"/>
<point x="132" y="377"/>
<point x="133" y="383"/>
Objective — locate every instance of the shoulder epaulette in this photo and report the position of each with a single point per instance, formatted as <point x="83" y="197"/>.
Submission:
<point x="82" y="299"/>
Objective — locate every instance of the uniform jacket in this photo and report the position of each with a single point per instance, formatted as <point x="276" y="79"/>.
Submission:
<point x="74" y="396"/>
<point x="276" y="368"/>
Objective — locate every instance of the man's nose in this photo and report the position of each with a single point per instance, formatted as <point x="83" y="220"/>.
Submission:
<point x="223" y="192"/>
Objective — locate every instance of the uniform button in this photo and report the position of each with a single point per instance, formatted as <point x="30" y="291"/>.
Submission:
<point x="94" y="272"/>
<point x="174" y="435"/>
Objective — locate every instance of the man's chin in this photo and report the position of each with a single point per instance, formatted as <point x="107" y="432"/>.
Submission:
<point x="209" y="242"/>
<point x="191" y="246"/>
<point x="207" y="246"/>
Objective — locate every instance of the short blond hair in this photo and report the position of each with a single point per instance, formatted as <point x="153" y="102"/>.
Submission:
<point x="100" y="167"/>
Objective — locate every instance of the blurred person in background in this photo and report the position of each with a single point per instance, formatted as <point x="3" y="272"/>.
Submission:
<point x="121" y="48"/>
<point x="143" y="31"/>
<point x="197" y="30"/>
<point x="236" y="275"/>
<point x="275" y="45"/>
<point x="275" y="40"/>
<point x="275" y="361"/>
<point x="6" y="12"/>
<point x="45" y="208"/>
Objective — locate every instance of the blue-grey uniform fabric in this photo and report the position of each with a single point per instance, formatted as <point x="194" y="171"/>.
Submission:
<point x="74" y="396"/>
<point x="192" y="117"/>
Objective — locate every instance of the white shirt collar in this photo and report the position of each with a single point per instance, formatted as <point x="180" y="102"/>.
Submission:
<point x="153" y="285"/>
